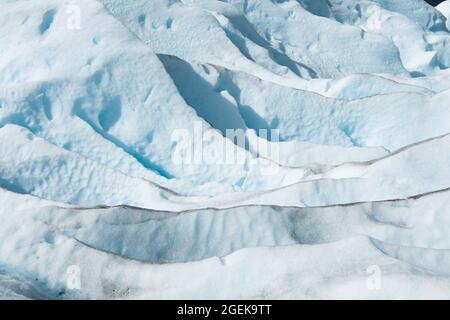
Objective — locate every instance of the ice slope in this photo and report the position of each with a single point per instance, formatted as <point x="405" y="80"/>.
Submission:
<point x="82" y="236"/>
<point x="343" y="165"/>
<point x="162" y="237"/>
<point x="300" y="114"/>
<point x="415" y="170"/>
<point x="173" y="25"/>
<point x="423" y="40"/>
<point x="30" y="165"/>
<point x="13" y="287"/>
<point x="104" y="94"/>
<point x="295" y="271"/>
<point x="368" y="122"/>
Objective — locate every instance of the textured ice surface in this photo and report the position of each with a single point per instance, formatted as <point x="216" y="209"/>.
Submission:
<point x="341" y="175"/>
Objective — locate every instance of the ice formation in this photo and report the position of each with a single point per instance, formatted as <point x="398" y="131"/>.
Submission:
<point x="340" y="189"/>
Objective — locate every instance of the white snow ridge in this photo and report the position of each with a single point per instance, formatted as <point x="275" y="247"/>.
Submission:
<point x="232" y="149"/>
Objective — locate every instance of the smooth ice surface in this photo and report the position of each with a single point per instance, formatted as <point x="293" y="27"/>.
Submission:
<point x="117" y="163"/>
<point x="444" y="8"/>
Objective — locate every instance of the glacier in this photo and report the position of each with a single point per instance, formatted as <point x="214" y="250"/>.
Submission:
<point x="224" y="149"/>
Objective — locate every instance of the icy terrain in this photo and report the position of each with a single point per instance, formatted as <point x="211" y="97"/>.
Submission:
<point x="116" y="179"/>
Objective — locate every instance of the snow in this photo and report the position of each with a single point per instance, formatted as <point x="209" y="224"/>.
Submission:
<point x="205" y="149"/>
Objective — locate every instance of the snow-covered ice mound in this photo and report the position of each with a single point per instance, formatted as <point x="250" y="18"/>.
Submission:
<point x="224" y="149"/>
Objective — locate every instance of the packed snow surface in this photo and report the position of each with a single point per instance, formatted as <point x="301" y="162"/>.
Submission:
<point x="206" y="149"/>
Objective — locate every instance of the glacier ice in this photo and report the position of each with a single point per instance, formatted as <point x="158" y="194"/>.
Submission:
<point x="340" y="153"/>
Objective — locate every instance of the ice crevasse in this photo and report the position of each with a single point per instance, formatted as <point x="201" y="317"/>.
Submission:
<point x="99" y="97"/>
